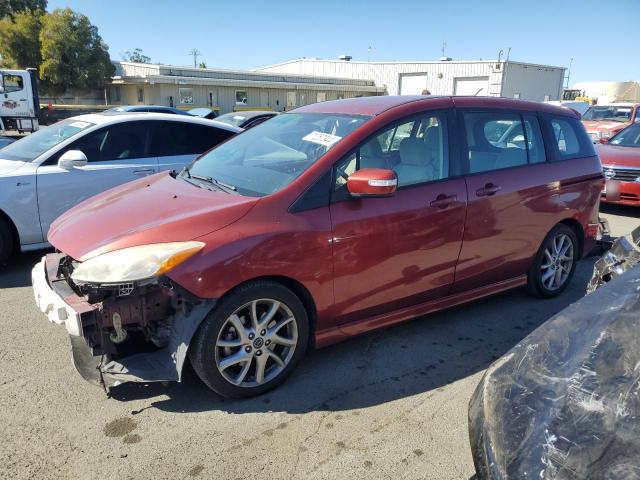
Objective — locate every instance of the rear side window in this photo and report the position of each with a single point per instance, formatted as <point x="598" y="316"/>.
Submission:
<point x="497" y="140"/>
<point x="181" y="138"/>
<point x="568" y="138"/>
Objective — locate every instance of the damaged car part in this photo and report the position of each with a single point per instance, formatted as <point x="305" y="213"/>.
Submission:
<point x="563" y="403"/>
<point x="122" y="332"/>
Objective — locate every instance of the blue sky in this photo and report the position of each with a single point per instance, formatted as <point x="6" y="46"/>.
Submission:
<point x="601" y="36"/>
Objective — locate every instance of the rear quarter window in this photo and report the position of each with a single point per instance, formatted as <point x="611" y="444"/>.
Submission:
<point x="566" y="138"/>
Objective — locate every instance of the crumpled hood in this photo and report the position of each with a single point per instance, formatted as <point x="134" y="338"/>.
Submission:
<point x="620" y="156"/>
<point x="9" y="166"/>
<point x="154" y="209"/>
<point x="603" y="125"/>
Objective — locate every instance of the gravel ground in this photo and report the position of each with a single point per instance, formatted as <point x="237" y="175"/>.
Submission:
<point x="391" y="404"/>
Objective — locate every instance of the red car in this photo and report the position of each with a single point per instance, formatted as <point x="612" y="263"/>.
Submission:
<point x="620" y="158"/>
<point x="604" y="121"/>
<point x="320" y="224"/>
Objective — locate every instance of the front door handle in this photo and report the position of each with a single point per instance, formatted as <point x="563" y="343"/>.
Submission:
<point x="443" y="201"/>
<point x="488" y="190"/>
<point x="143" y="171"/>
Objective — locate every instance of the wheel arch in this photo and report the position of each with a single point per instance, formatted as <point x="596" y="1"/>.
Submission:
<point x="575" y="225"/>
<point x="14" y="230"/>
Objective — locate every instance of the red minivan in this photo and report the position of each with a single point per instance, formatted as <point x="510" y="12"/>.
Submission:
<point x="322" y="223"/>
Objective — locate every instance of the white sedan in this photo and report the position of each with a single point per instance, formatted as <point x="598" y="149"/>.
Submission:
<point x="50" y="171"/>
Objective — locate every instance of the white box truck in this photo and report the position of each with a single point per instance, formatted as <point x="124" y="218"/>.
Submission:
<point x="19" y="101"/>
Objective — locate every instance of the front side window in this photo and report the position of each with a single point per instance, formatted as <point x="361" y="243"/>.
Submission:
<point x="270" y="156"/>
<point x="31" y="147"/>
<point x="608" y="112"/>
<point x="417" y="150"/>
<point x="629" y="137"/>
<point x="118" y="142"/>
<point x="12" y="83"/>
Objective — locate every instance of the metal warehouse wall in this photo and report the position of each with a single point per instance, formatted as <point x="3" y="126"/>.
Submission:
<point x="532" y="82"/>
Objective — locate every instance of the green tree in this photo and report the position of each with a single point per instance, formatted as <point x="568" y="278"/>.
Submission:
<point x="9" y="8"/>
<point x="202" y="65"/>
<point x="136" y="56"/>
<point x="19" y="40"/>
<point x="74" y="56"/>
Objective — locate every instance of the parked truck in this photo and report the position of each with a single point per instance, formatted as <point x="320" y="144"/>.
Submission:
<point x="19" y="101"/>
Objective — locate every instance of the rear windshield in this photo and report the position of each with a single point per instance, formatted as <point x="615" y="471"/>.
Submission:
<point x="610" y="112"/>
<point x="31" y="147"/>
<point x="629" y="137"/>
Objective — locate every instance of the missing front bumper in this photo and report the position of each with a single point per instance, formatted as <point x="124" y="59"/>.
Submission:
<point x="88" y="328"/>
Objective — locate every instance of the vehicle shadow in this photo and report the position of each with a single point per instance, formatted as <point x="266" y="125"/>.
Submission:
<point x="17" y="271"/>
<point x="409" y="359"/>
<point x="620" y="210"/>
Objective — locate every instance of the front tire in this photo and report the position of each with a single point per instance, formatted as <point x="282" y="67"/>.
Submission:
<point x="554" y="264"/>
<point x="251" y="341"/>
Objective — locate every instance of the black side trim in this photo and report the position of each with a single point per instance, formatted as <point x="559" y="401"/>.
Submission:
<point x="316" y="196"/>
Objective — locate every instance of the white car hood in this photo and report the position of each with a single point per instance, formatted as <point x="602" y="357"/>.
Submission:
<point x="9" y="166"/>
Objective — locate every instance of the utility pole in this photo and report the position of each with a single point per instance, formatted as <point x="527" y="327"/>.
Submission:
<point x="568" y="73"/>
<point x="196" y="53"/>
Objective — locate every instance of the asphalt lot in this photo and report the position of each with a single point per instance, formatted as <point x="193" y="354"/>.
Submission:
<point x="391" y="404"/>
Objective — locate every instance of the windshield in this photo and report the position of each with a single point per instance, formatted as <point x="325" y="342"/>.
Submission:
<point x="270" y="156"/>
<point x="31" y="147"/>
<point x="629" y="137"/>
<point x="617" y="114"/>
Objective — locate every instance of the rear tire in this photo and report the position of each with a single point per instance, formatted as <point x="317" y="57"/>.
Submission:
<point x="6" y="241"/>
<point x="251" y="341"/>
<point x="554" y="264"/>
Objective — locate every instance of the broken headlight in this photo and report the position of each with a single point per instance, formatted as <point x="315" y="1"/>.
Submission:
<point x="134" y="263"/>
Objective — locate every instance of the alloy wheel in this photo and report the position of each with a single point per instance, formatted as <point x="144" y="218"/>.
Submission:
<point x="557" y="262"/>
<point x="256" y="342"/>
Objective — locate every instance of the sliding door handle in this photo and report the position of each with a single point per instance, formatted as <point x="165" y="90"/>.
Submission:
<point x="488" y="190"/>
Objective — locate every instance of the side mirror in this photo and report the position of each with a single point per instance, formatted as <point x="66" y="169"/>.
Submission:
<point x="372" y="182"/>
<point x="604" y="140"/>
<point x="71" y="159"/>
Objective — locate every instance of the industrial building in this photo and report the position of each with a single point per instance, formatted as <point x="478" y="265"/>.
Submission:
<point x="499" y="78"/>
<point x="227" y="90"/>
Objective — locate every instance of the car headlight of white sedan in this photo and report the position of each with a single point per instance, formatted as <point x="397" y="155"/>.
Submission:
<point x="135" y="263"/>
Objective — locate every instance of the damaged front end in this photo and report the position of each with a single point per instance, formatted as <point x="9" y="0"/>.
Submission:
<point x="128" y="332"/>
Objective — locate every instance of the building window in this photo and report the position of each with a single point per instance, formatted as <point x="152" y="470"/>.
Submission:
<point x="186" y="96"/>
<point x="341" y="96"/>
<point x="547" y="98"/>
<point x="322" y="97"/>
<point x="140" y="95"/>
<point x="291" y="99"/>
<point x="241" y="97"/>
<point x="516" y="95"/>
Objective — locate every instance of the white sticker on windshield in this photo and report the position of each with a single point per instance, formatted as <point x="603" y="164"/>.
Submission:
<point x="79" y="124"/>
<point x="324" y="139"/>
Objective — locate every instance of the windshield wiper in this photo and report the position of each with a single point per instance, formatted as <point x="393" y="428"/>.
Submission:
<point x="217" y="183"/>
<point x="209" y="180"/>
